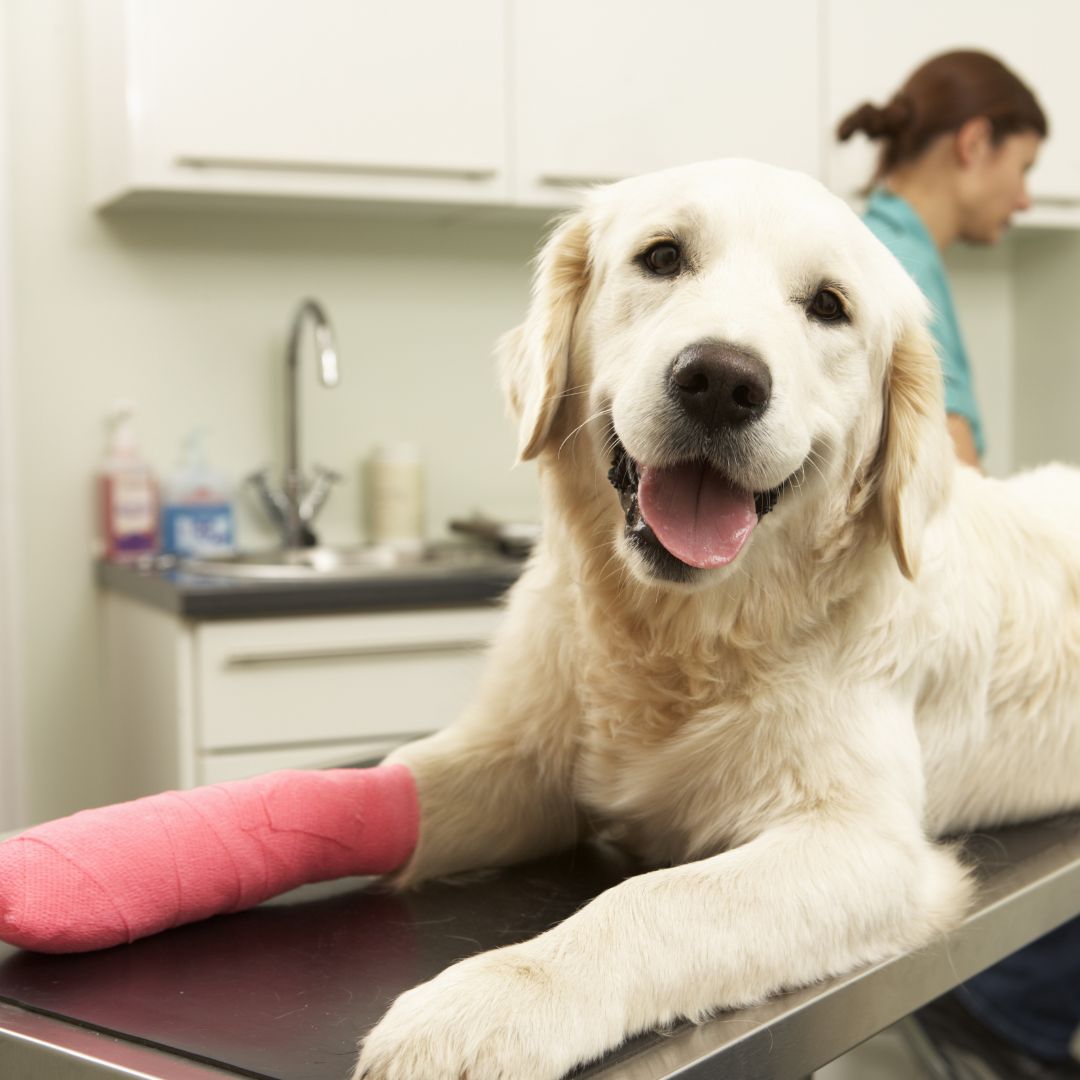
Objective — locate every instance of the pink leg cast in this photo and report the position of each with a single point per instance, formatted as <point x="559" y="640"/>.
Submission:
<point x="106" y="876"/>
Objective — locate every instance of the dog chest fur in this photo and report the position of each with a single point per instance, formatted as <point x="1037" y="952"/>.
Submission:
<point x="687" y="753"/>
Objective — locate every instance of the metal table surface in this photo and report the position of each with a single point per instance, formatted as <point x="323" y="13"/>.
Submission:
<point x="284" y="990"/>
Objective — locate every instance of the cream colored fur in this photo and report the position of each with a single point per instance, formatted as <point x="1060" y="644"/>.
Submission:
<point x="894" y="656"/>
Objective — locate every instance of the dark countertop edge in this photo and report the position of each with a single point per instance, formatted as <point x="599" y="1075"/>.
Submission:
<point x="207" y="599"/>
<point x="62" y="1048"/>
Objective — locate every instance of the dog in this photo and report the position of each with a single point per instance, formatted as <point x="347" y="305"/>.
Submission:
<point x="775" y="639"/>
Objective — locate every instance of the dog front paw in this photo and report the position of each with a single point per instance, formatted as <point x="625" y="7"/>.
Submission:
<point x="503" y="1015"/>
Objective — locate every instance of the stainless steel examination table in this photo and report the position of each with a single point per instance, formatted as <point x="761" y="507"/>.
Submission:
<point x="284" y="990"/>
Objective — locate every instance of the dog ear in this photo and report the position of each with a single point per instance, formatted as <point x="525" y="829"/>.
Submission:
<point x="916" y="453"/>
<point x="534" y="358"/>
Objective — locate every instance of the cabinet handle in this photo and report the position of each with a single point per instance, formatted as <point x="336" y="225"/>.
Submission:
<point x="1057" y="201"/>
<point x="569" y="180"/>
<point x="432" y="172"/>
<point x="354" y="652"/>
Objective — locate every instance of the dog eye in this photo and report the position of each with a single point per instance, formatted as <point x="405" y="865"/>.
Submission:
<point x="663" y="259"/>
<point x="827" y="306"/>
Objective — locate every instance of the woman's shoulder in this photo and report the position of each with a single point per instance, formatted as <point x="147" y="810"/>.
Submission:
<point x="892" y="218"/>
<point x="896" y="224"/>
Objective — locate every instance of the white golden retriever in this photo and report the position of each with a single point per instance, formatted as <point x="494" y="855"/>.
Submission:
<point x="774" y="640"/>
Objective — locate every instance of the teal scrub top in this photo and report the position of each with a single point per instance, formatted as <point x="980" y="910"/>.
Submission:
<point x="896" y="224"/>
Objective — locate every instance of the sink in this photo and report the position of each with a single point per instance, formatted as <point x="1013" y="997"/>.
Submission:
<point x="321" y="563"/>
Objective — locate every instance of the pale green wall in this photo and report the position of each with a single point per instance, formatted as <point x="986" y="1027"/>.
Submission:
<point x="1047" y="376"/>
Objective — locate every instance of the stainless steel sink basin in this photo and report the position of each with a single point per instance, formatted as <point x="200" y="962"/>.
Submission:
<point x="319" y="563"/>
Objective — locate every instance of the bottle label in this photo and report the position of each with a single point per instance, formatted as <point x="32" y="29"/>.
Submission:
<point x="132" y="506"/>
<point x="203" y="529"/>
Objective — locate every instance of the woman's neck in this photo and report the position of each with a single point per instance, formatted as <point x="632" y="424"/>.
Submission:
<point x="930" y="195"/>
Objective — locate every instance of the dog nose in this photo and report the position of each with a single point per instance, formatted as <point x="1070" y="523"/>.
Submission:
<point x="720" y="385"/>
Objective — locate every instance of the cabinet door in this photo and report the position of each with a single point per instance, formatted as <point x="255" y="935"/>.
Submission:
<point x="871" y="52"/>
<point x="354" y="98"/>
<point x="275" y="682"/>
<point x="610" y="88"/>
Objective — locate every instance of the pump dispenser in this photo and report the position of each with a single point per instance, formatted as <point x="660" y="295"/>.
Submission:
<point x="197" y="509"/>
<point x="128" y="494"/>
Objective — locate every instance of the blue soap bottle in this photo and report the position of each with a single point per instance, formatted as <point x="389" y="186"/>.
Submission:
<point x="197" y="517"/>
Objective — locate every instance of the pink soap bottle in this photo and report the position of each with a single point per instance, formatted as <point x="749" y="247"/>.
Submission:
<point x="128" y="493"/>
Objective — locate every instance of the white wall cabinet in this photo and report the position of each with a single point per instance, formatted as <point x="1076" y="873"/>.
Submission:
<point x="631" y="89"/>
<point x="481" y="101"/>
<point x="522" y="103"/>
<point x="868" y="60"/>
<point x="319" y="98"/>
<point x="199" y="702"/>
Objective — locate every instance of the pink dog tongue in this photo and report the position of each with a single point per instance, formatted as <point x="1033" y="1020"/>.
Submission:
<point x="701" y="518"/>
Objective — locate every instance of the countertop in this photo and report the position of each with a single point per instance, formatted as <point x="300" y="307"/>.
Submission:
<point x="283" y="991"/>
<point x="480" y="580"/>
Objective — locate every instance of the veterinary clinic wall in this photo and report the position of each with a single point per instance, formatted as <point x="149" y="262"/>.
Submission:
<point x="1046" y="369"/>
<point x="187" y="314"/>
<point x="10" y="681"/>
<point x="983" y="287"/>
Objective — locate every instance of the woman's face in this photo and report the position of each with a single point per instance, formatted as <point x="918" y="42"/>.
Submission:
<point x="995" y="186"/>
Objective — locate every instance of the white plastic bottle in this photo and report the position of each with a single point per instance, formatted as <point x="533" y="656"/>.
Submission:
<point x="128" y="493"/>
<point x="396" y="497"/>
<point x="197" y="506"/>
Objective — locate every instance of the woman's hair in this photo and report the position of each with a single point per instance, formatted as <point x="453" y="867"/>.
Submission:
<point x="940" y="96"/>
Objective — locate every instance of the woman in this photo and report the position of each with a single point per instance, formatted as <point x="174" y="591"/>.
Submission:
<point x="957" y="140"/>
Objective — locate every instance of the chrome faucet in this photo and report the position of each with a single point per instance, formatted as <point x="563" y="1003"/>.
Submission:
<point x="293" y="506"/>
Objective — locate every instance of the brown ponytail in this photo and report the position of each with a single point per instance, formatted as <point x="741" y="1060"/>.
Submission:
<point x="941" y="96"/>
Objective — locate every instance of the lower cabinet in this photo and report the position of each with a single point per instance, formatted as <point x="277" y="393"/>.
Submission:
<point x="200" y="702"/>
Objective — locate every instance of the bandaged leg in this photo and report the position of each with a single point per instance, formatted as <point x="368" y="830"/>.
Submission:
<point x="111" y="875"/>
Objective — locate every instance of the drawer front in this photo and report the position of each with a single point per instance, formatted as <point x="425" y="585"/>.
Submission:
<point x="237" y="765"/>
<point x="336" y="678"/>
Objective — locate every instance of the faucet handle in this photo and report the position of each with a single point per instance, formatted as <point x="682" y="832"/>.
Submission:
<point x="318" y="492"/>
<point x="332" y="476"/>
<point x="272" y="499"/>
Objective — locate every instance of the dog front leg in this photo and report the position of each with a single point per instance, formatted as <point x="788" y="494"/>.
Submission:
<point x="484" y="802"/>
<point x="495" y="787"/>
<point x="804" y="900"/>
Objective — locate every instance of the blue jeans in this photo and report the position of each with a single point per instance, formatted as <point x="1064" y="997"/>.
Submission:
<point x="1032" y="998"/>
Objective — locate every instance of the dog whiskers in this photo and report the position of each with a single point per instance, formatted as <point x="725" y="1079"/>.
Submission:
<point x="569" y="392"/>
<point x="595" y="416"/>
<point x="811" y="459"/>
<point x="605" y="573"/>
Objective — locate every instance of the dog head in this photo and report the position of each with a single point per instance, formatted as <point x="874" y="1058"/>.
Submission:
<point x="730" y="342"/>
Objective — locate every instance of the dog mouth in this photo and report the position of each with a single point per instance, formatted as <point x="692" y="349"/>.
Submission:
<point x="688" y="516"/>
